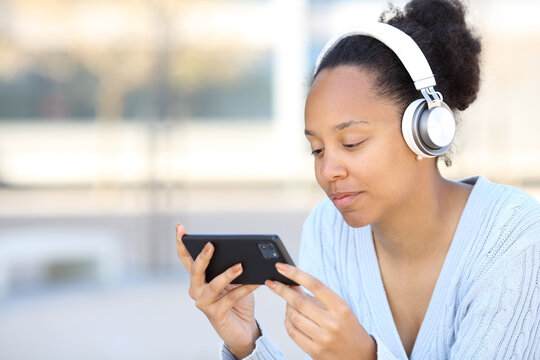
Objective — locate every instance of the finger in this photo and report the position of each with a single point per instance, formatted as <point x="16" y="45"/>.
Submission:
<point x="212" y="291"/>
<point x="235" y="295"/>
<point x="198" y="269"/>
<point x="302" y="340"/>
<point x="304" y="324"/>
<point x="232" y="286"/>
<point x="300" y="301"/>
<point x="183" y="253"/>
<point x="322" y="292"/>
<point x="299" y="290"/>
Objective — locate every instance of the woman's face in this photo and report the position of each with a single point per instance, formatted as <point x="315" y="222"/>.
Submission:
<point x="361" y="160"/>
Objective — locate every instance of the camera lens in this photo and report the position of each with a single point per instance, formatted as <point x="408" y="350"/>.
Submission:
<point x="268" y="251"/>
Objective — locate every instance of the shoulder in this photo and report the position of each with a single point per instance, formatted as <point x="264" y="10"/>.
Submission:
<point x="511" y="213"/>
<point x="503" y="222"/>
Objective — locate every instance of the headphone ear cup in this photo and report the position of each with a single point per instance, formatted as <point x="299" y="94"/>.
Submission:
<point x="409" y="122"/>
<point x="428" y="132"/>
<point x="437" y="129"/>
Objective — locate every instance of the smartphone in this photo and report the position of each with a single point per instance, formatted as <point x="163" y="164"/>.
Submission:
<point x="257" y="253"/>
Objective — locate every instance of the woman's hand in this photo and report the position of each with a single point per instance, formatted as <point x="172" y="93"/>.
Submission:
<point x="324" y="326"/>
<point x="230" y="308"/>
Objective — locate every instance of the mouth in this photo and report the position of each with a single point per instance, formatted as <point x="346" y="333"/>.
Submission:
<point x="342" y="200"/>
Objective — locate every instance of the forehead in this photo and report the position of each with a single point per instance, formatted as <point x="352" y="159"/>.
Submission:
<point x="342" y="83"/>
<point x="345" y="93"/>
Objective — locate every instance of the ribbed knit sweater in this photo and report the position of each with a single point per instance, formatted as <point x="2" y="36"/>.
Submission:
<point x="485" y="304"/>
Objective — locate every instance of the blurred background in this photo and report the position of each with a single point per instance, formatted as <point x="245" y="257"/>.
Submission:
<point x="119" y="119"/>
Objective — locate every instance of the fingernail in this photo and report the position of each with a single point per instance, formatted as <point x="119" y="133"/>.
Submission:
<point x="207" y="248"/>
<point x="270" y="284"/>
<point x="178" y="228"/>
<point x="237" y="268"/>
<point x="281" y="267"/>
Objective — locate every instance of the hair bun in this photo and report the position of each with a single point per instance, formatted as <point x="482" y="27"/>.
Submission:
<point x="451" y="49"/>
<point x="434" y="13"/>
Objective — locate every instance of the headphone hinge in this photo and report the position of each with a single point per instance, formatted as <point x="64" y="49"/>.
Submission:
<point x="433" y="98"/>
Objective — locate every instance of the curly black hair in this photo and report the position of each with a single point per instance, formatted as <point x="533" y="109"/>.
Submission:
<point x="449" y="45"/>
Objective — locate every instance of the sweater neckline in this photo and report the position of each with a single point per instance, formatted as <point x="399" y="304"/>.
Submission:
<point x="389" y="334"/>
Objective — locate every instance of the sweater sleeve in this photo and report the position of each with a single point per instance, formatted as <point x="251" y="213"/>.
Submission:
<point x="383" y="353"/>
<point x="502" y="321"/>
<point x="264" y="350"/>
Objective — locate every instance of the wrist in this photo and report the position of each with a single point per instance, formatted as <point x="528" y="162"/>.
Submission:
<point x="370" y="349"/>
<point x="241" y="352"/>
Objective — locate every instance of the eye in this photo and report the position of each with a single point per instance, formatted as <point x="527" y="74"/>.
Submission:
<point x="316" y="152"/>
<point x="352" y="146"/>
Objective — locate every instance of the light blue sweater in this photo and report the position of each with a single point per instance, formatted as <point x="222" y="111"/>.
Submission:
<point x="486" y="302"/>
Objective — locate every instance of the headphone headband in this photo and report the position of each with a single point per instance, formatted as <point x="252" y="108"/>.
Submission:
<point x="399" y="42"/>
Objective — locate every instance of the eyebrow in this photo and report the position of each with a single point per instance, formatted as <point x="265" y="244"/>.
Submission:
<point x="340" y="127"/>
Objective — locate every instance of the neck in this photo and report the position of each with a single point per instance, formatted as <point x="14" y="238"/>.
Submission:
<point x="422" y="227"/>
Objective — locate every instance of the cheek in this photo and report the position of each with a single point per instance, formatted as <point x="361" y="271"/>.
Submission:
<point x="388" y="166"/>
<point x="377" y="161"/>
<point x="316" y="168"/>
<point x="396" y="155"/>
<point x="398" y="171"/>
<point x="321" y="180"/>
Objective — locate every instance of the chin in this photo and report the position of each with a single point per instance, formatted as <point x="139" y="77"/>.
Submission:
<point x="355" y="220"/>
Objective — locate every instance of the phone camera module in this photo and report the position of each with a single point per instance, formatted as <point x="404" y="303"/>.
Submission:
<point x="268" y="251"/>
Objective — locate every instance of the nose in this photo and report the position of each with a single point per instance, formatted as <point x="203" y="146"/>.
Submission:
<point x="331" y="167"/>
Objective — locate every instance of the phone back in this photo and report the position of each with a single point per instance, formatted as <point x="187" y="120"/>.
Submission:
<point x="257" y="253"/>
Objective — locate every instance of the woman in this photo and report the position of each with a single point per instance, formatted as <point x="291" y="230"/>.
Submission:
<point x="398" y="262"/>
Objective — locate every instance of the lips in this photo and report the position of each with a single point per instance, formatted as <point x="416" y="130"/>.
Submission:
<point x="343" y="199"/>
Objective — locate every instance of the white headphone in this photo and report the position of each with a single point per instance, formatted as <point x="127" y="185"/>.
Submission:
<point x="428" y="124"/>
